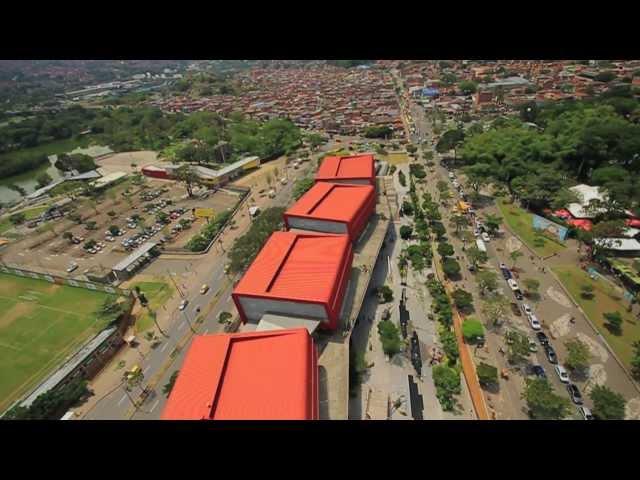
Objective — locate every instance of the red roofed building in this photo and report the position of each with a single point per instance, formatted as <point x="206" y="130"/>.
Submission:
<point x="333" y="208"/>
<point x="299" y="275"/>
<point x="247" y="376"/>
<point x="348" y="169"/>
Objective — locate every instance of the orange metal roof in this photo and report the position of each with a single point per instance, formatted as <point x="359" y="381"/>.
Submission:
<point x="244" y="376"/>
<point x="357" y="166"/>
<point x="297" y="266"/>
<point x="332" y="201"/>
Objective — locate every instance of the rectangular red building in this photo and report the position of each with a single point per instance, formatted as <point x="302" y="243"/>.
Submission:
<point x="270" y="375"/>
<point x="299" y="275"/>
<point x="348" y="169"/>
<point x="333" y="208"/>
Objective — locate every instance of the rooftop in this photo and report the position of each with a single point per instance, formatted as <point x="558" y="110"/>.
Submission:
<point x="258" y="375"/>
<point x="332" y="201"/>
<point x="299" y="266"/>
<point x="347" y="167"/>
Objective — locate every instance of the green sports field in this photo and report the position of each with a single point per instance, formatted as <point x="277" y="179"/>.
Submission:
<point x="40" y="325"/>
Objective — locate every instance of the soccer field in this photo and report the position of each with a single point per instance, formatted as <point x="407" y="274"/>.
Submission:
<point x="40" y="324"/>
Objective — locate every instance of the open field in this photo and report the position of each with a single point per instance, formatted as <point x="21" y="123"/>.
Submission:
<point x="259" y="176"/>
<point x="157" y="292"/>
<point x="606" y="299"/>
<point x="521" y="222"/>
<point x="121" y="162"/>
<point x="41" y="324"/>
<point x="395" y="158"/>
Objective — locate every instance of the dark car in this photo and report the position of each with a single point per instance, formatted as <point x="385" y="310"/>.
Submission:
<point x="542" y="338"/>
<point x="574" y="393"/>
<point x="516" y="310"/>
<point x="518" y="295"/>
<point x="538" y="371"/>
<point x="551" y="354"/>
<point x="506" y="273"/>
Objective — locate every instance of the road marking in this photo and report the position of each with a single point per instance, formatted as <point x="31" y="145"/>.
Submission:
<point x="206" y="331"/>
<point x="144" y="372"/>
<point x="181" y="325"/>
<point x="164" y="347"/>
<point x="154" y="406"/>
<point x="124" y="397"/>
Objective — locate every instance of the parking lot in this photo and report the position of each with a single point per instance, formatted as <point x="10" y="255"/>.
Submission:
<point x="127" y="216"/>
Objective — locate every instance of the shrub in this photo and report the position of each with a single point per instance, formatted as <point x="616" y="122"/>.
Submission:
<point x="450" y="267"/>
<point x="390" y="337"/>
<point x="487" y="374"/>
<point x="385" y="294"/>
<point x="405" y="232"/>
<point x="447" y="383"/>
<point x="472" y="330"/>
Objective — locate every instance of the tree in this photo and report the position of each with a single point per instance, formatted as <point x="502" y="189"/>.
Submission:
<point x="111" y="213"/>
<point x="43" y="179"/>
<point x="472" y="330"/>
<point x="402" y="178"/>
<point x="67" y="236"/>
<point x="607" y="404"/>
<point x="476" y="256"/>
<point x="613" y="321"/>
<point x="390" y="337"/>
<point x="188" y="176"/>
<point x="166" y="389"/>
<point x="407" y="208"/>
<point x="543" y="402"/>
<point x="450" y="141"/>
<point x="586" y="291"/>
<point x="487" y="374"/>
<point x="605" y="77"/>
<point x="514" y="257"/>
<point x="385" y="294"/>
<point x="462" y="299"/>
<point x="91" y="225"/>
<point x="518" y="347"/>
<point x="445" y="249"/>
<point x="529" y="111"/>
<point x="459" y="221"/>
<point x="468" y="87"/>
<point x="450" y="346"/>
<point x="447" y="383"/>
<point x="531" y="286"/>
<point x="442" y="186"/>
<point x="405" y="232"/>
<point x="113" y="230"/>
<point x="487" y="280"/>
<point x="224" y="317"/>
<point x="578" y="354"/>
<point x="439" y="230"/>
<point x="492" y="222"/>
<point x="635" y="360"/>
<point x="162" y="217"/>
<point x="302" y="186"/>
<point x="495" y="309"/>
<point x="17" y="218"/>
<point x="450" y="267"/>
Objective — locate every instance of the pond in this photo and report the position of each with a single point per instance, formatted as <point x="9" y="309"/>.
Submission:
<point x="27" y="180"/>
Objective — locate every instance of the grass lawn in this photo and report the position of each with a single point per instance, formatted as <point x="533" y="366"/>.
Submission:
<point x="41" y="323"/>
<point x="5" y="223"/>
<point x="395" y="158"/>
<point x="157" y="293"/>
<point x="606" y="299"/>
<point x="521" y="222"/>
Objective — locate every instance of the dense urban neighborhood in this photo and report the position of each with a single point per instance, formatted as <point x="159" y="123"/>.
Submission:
<point x="320" y="240"/>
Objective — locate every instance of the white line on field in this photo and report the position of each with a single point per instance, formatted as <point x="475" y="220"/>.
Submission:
<point x="154" y="406"/>
<point x="124" y="397"/>
<point x="181" y="325"/>
<point x="144" y="372"/>
<point x="164" y="347"/>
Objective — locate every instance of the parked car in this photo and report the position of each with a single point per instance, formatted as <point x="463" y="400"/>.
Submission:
<point x="534" y="322"/>
<point x="586" y="413"/>
<point x="551" y="353"/>
<point x="574" y="393"/>
<point x="183" y="304"/>
<point x="503" y="267"/>
<point x="562" y="373"/>
<point x="527" y="309"/>
<point x="518" y="294"/>
<point x="506" y="273"/>
<point x="538" y="371"/>
<point x="204" y="289"/>
<point x="72" y="267"/>
<point x="513" y="284"/>
<point x="486" y="237"/>
<point x="542" y="338"/>
<point x="476" y="232"/>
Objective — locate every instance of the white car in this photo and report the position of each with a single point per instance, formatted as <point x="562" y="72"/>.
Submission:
<point x="486" y="237"/>
<point x="562" y="374"/>
<point x="585" y="412"/>
<point x="183" y="304"/>
<point x="476" y="232"/>
<point x="534" y="322"/>
<point x="527" y="309"/>
<point x="512" y="284"/>
<point x="72" y="267"/>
